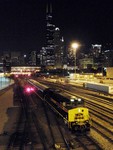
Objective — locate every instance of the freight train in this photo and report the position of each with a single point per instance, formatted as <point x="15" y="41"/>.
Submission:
<point x="69" y="107"/>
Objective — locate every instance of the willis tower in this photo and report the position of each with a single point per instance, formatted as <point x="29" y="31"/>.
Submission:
<point x="50" y="29"/>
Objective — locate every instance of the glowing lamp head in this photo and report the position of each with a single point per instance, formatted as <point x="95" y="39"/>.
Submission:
<point x="75" y="45"/>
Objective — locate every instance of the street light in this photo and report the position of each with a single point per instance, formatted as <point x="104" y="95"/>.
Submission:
<point x="74" y="48"/>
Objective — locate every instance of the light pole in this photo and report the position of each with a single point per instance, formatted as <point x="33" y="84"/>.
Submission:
<point x="74" y="48"/>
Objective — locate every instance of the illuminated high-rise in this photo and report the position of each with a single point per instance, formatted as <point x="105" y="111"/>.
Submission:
<point x="96" y="50"/>
<point x="49" y="54"/>
<point x="59" y="48"/>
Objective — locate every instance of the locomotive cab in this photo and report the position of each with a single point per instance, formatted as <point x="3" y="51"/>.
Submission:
<point x="74" y="102"/>
<point x="78" y="115"/>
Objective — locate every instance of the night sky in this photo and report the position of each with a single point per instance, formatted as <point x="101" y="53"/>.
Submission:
<point x="22" y="22"/>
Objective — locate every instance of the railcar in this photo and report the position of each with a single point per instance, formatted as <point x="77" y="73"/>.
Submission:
<point x="70" y="108"/>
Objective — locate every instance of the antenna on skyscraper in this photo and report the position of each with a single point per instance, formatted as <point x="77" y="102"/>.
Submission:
<point x="47" y="8"/>
<point x="51" y="8"/>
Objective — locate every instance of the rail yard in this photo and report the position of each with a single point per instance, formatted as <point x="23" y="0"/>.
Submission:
<point x="34" y="125"/>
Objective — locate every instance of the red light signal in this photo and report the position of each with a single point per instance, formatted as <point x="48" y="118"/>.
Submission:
<point x="16" y="75"/>
<point x="29" y="89"/>
<point x="32" y="89"/>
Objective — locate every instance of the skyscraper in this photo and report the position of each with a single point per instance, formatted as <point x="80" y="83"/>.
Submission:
<point x="59" y="48"/>
<point x="51" y="55"/>
<point x="97" y="55"/>
<point x="49" y="47"/>
<point x="96" y="50"/>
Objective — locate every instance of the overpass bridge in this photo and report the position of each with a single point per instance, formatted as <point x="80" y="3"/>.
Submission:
<point x="24" y="69"/>
<point x="16" y="70"/>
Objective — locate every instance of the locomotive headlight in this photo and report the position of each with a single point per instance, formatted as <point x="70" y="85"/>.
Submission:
<point x="72" y="100"/>
<point x="79" y="99"/>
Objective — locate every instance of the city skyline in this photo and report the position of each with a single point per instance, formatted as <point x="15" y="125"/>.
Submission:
<point x="23" y="23"/>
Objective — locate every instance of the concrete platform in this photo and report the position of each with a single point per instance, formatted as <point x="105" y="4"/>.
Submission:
<point x="8" y="117"/>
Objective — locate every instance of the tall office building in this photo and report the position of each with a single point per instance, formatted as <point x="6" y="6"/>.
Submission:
<point x="33" y="58"/>
<point x="108" y="58"/>
<point x="96" y="50"/>
<point x="59" y="48"/>
<point x="96" y="53"/>
<point x="49" y="54"/>
<point x="52" y="54"/>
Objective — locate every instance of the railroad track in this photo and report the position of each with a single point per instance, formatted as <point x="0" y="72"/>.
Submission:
<point x="70" y="142"/>
<point x="85" y="142"/>
<point x="101" y="111"/>
<point x="103" y="130"/>
<point x="52" y="137"/>
<point x="59" y="138"/>
<point x="19" y="139"/>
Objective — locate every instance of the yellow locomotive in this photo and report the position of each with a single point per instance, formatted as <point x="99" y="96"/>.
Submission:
<point x="69" y="107"/>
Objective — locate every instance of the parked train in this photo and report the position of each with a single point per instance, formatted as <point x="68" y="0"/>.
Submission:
<point x="70" y="108"/>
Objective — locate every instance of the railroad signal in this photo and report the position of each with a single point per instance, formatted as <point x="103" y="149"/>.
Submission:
<point x="29" y="89"/>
